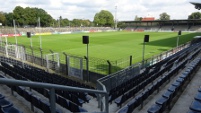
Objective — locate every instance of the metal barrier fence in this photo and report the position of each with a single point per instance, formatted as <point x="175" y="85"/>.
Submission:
<point x="113" y="80"/>
<point x="97" y="67"/>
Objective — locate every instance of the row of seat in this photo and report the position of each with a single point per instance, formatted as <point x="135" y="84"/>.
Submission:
<point x="44" y="105"/>
<point x="147" y="92"/>
<point x="6" y="106"/>
<point x="177" y="86"/>
<point x="151" y="70"/>
<point x="79" y="98"/>
<point x="48" y="77"/>
<point x="195" y="106"/>
<point x="143" y="84"/>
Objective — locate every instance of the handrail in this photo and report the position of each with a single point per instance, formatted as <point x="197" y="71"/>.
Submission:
<point x="52" y="88"/>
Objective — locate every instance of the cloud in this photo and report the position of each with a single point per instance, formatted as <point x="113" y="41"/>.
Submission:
<point x="86" y="9"/>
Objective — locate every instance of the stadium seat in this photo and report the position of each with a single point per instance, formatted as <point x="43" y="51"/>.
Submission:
<point x="123" y="110"/>
<point x="191" y="111"/>
<point x="35" y="101"/>
<point x="132" y="105"/>
<point x="120" y="100"/>
<point x="196" y="106"/>
<point x="84" y="96"/>
<point x="1" y="96"/>
<point x="45" y="107"/>
<point x="27" y="95"/>
<point x="155" y="109"/>
<point x="63" y="102"/>
<point x="163" y="102"/>
<point x="10" y="109"/>
<point x="75" y="108"/>
<point x="20" y="90"/>
<point x="4" y="103"/>
<point x="199" y="90"/>
<point x="198" y="96"/>
<point x="76" y="100"/>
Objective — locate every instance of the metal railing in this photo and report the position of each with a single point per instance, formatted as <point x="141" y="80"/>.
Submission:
<point x="53" y="87"/>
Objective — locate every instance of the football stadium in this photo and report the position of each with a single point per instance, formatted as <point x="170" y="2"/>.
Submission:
<point x="143" y="66"/>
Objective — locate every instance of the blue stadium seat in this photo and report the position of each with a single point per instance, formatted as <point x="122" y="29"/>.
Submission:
<point x="198" y="96"/>
<point x="35" y="101"/>
<point x="75" y="108"/>
<point x="20" y="90"/>
<point x="63" y="102"/>
<point x="10" y="109"/>
<point x="2" y="96"/>
<point x="120" y="100"/>
<point x="191" y="111"/>
<point x="155" y="109"/>
<point x="84" y="96"/>
<point x="132" y="105"/>
<point x="163" y="102"/>
<point x="27" y="95"/>
<point x="4" y="103"/>
<point x="123" y="110"/>
<point x="45" y="107"/>
<point x="196" y="106"/>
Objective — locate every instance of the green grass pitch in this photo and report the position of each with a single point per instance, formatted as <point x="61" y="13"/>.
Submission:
<point x="109" y="45"/>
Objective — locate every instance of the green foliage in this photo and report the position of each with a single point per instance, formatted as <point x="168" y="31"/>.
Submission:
<point x="164" y="16"/>
<point x="29" y="16"/>
<point x="2" y="18"/>
<point x="9" y="19"/>
<point x="80" y="23"/>
<point x="195" y="15"/>
<point x="104" y="18"/>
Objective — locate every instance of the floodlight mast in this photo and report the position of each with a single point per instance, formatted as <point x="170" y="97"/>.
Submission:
<point x="15" y="31"/>
<point x="115" y="17"/>
<point x="40" y="32"/>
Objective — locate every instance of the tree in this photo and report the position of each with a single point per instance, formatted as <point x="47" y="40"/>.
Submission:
<point x="2" y="18"/>
<point x="18" y="12"/>
<point x="104" y="18"/>
<point x="9" y="19"/>
<point x="195" y="15"/>
<point x="164" y="16"/>
<point x="29" y="16"/>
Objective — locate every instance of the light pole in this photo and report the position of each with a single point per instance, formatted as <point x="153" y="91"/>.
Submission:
<point x="40" y="32"/>
<point x="115" y="17"/>
<point x="15" y="32"/>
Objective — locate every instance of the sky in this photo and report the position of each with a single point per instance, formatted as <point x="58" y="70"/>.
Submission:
<point x="123" y="10"/>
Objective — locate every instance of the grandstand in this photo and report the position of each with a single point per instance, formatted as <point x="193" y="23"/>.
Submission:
<point x="158" y="25"/>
